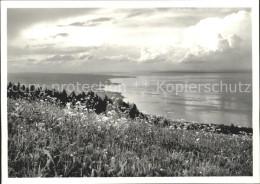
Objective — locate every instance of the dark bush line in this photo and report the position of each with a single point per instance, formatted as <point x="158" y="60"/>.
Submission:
<point x="90" y="100"/>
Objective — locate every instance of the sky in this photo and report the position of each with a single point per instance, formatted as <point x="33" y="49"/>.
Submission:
<point x="126" y="40"/>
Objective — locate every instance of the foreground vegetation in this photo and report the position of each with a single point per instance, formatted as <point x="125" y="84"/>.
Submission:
<point x="47" y="139"/>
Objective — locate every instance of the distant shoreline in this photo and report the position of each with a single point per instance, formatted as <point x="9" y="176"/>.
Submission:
<point x="129" y="72"/>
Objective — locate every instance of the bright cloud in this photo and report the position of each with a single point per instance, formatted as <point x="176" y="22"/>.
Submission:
<point x="215" y="36"/>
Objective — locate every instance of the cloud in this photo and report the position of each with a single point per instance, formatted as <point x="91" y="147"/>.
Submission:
<point x="54" y="60"/>
<point x="61" y="58"/>
<point x="31" y="16"/>
<point x="169" y="17"/>
<point x="43" y="49"/>
<point x="219" y="40"/>
<point x="118" y="58"/>
<point x="227" y="60"/>
<point x="209" y="32"/>
<point x="86" y="57"/>
<point x="138" y="12"/>
<point x="91" y="22"/>
<point x="30" y="59"/>
<point x="61" y="35"/>
<point x="101" y="19"/>
<point x="88" y="24"/>
<point x="147" y="55"/>
<point x="22" y="62"/>
<point x="153" y="55"/>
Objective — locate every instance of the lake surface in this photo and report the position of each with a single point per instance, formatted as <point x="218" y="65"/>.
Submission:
<point x="191" y="96"/>
<point x="209" y="103"/>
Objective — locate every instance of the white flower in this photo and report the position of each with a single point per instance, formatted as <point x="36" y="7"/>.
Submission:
<point x="73" y="114"/>
<point x="105" y="119"/>
<point x="99" y="129"/>
<point x="68" y="105"/>
<point x="109" y="113"/>
<point x="123" y="120"/>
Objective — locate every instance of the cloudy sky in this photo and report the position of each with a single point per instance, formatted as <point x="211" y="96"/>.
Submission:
<point x="97" y="40"/>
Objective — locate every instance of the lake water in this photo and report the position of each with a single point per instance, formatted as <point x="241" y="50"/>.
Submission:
<point x="190" y="96"/>
<point x="204" y="100"/>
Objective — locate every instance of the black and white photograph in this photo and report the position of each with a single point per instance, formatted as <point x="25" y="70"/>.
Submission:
<point x="121" y="91"/>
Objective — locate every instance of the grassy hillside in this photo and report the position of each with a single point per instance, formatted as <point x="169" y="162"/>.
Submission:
<point x="49" y="140"/>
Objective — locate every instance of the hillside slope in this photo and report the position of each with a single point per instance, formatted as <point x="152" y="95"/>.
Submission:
<point x="47" y="140"/>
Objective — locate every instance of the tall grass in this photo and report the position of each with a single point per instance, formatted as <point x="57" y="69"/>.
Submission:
<point x="46" y="140"/>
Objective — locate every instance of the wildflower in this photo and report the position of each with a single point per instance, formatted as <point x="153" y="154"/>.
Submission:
<point x="15" y="114"/>
<point x="99" y="129"/>
<point x="69" y="113"/>
<point x="116" y="124"/>
<point x="104" y="119"/>
<point x="73" y="114"/>
<point x="60" y="124"/>
<point x="109" y="113"/>
<point x="109" y="107"/>
<point x="68" y="105"/>
<point x="123" y="120"/>
<point x="98" y="119"/>
<point x="149" y="131"/>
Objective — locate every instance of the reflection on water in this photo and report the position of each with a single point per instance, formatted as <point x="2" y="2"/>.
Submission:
<point x="226" y="106"/>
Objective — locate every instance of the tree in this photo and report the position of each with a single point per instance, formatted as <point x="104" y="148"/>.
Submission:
<point x="63" y="97"/>
<point x="9" y="85"/>
<point x="134" y="112"/>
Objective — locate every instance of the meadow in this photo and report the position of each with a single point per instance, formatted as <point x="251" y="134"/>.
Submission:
<point x="47" y="138"/>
